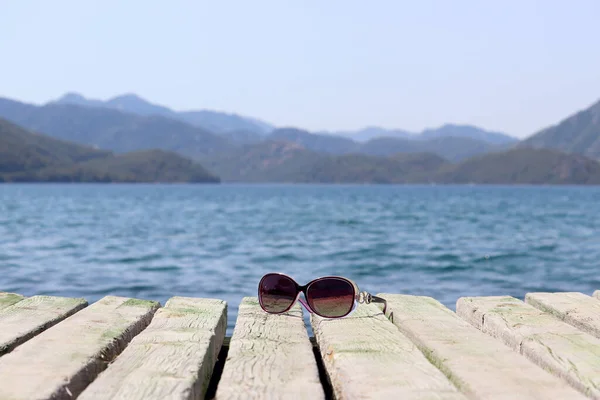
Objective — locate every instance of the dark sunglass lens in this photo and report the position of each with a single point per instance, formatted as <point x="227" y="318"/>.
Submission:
<point x="331" y="297"/>
<point x="277" y="293"/>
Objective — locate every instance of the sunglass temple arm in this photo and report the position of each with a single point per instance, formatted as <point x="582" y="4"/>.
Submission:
<point x="366" y="297"/>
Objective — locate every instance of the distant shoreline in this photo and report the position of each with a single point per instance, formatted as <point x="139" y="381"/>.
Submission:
<point x="270" y="184"/>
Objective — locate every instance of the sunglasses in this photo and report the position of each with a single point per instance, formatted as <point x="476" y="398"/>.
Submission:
<point x="328" y="297"/>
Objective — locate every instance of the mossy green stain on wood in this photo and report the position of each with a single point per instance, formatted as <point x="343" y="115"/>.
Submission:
<point x="250" y="301"/>
<point x="112" y="334"/>
<point x="186" y="312"/>
<point x="71" y="353"/>
<point x="439" y="364"/>
<point x="172" y="357"/>
<point x="356" y="350"/>
<point x="141" y="303"/>
<point x="8" y="299"/>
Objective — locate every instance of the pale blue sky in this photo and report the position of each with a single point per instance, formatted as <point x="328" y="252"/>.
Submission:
<point x="513" y="66"/>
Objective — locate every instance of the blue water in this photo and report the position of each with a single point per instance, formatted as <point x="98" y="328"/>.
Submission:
<point x="158" y="241"/>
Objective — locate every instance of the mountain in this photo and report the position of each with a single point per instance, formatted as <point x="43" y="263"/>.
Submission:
<point x="288" y="162"/>
<point x="220" y="122"/>
<point x="267" y="161"/>
<point x="468" y="131"/>
<point x="217" y="122"/>
<point x="578" y="133"/>
<point x="22" y="151"/>
<point x="450" y="148"/>
<point x="448" y="130"/>
<point x="113" y="130"/>
<point x="315" y="142"/>
<point x="131" y="103"/>
<point x="280" y="161"/>
<point x="151" y="166"/>
<point x="78" y="100"/>
<point x="372" y="132"/>
<point x="240" y="137"/>
<point x="523" y="166"/>
<point x="148" y="166"/>
<point x="361" y="168"/>
<point x="31" y="157"/>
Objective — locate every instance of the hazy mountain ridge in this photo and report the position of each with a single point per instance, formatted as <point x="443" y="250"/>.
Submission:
<point x="121" y="131"/>
<point x="578" y="133"/>
<point x="470" y="132"/>
<point x="451" y="148"/>
<point x="447" y="130"/>
<point x="287" y="162"/>
<point x="112" y="129"/>
<point x="362" y="168"/>
<point x="371" y="132"/>
<point x="291" y="154"/>
<point x="524" y="166"/>
<point x="214" y="121"/>
<point x="31" y="157"/>
<point x="266" y="161"/>
<point x="220" y="122"/>
<point x="331" y="144"/>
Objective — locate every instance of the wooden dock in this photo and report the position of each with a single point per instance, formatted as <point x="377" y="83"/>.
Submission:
<point x="546" y="346"/>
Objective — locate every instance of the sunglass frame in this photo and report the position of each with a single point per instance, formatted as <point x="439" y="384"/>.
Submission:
<point x="358" y="296"/>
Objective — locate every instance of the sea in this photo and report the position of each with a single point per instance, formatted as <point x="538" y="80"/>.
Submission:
<point x="155" y="241"/>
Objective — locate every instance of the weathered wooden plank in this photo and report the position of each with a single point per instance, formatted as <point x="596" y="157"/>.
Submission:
<point x="171" y="359"/>
<point x="550" y="343"/>
<point x="596" y="294"/>
<point x="366" y="357"/>
<point x="27" y="318"/>
<point x="270" y="356"/>
<point x="577" y="309"/>
<point x="8" y="299"/>
<point x="61" y="361"/>
<point x="479" y="365"/>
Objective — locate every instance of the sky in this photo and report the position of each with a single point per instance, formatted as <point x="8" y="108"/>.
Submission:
<point x="514" y="66"/>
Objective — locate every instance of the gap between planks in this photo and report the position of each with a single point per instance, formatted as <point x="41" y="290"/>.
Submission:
<point x="173" y="358"/>
<point x="60" y="362"/>
<point x="367" y="357"/>
<point x="455" y="378"/>
<point x="218" y="370"/>
<point x="479" y="365"/>
<point x="270" y="356"/>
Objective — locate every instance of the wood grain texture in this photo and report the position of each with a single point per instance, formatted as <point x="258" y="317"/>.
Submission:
<point x="550" y="343"/>
<point x="171" y="359"/>
<point x="61" y="361"/>
<point x="27" y="318"/>
<point x="8" y="299"/>
<point x="366" y="357"/>
<point x="479" y="365"/>
<point x="577" y="309"/>
<point x="270" y="357"/>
